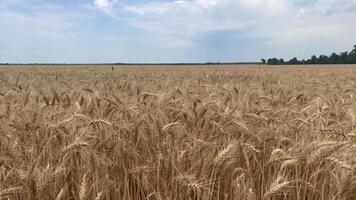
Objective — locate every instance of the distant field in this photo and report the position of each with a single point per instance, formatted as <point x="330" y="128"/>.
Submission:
<point x="244" y="132"/>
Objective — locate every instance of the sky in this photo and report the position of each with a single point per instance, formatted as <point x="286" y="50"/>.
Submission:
<point x="165" y="31"/>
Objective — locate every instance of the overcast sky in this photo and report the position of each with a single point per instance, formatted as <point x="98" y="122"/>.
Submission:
<point x="95" y="31"/>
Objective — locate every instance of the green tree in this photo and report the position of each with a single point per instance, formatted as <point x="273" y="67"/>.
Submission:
<point x="293" y="61"/>
<point x="334" y="58"/>
<point x="272" y="61"/>
<point x="323" y="59"/>
<point x="352" y="56"/>
<point x="314" y="60"/>
<point x="281" y="61"/>
<point x="343" y="57"/>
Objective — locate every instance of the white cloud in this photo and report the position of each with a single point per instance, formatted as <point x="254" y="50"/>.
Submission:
<point x="104" y="5"/>
<point x="276" y="25"/>
<point x="207" y="3"/>
<point x="153" y="8"/>
<point x="331" y="7"/>
<point x="160" y="8"/>
<point x="276" y="22"/>
<point x="101" y="3"/>
<point x="42" y="19"/>
<point x="268" y="7"/>
<point x="191" y="18"/>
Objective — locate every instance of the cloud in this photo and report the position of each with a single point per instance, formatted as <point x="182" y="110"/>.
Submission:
<point x="35" y="32"/>
<point x="182" y="17"/>
<point x="177" y="6"/>
<point x="269" y="7"/>
<point x="101" y="3"/>
<point x="332" y="7"/>
<point x="207" y="3"/>
<point x="104" y="5"/>
<point x="45" y="19"/>
<point x="282" y="23"/>
<point x="153" y="8"/>
<point x="179" y="30"/>
<point x="161" y="8"/>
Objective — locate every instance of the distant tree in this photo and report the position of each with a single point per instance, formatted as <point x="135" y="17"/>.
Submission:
<point x="343" y="57"/>
<point x="314" y="60"/>
<point x="272" y="61"/>
<point x="293" y="61"/>
<point x="352" y="56"/>
<point x="354" y="50"/>
<point x="323" y="59"/>
<point x="334" y="58"/>
<point x="281" y="61"/>
<point x="263" y="61"/>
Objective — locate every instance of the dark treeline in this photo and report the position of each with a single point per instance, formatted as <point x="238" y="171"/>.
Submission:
<point x="334" y="58"/>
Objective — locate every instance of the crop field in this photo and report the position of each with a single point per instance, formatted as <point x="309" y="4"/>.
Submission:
<point x="180" y="133"/>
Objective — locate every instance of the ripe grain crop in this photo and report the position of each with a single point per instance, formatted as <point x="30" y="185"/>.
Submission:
<point x="202" y="133"/>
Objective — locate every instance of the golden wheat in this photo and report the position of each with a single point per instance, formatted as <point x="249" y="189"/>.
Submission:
<point x="214" y="133"/>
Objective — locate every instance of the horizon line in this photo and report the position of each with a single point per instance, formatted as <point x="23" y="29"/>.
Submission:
<point x="183" y="63"/>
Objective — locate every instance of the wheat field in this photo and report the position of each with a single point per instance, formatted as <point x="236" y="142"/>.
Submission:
<point x="184" y="133"/>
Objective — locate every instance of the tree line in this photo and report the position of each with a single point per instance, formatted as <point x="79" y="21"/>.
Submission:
<point x="334" y="58"/>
